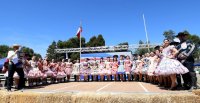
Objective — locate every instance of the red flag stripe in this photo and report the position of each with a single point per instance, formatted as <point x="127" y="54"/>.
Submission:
<point x="78" y="34"/>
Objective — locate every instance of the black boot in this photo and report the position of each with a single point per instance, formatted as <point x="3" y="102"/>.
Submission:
<point x="92" y="78"/>
<point x="88" y="78"/>
<point x="75" y="78"/>
<point x="178" y="78"/>
<point x="193" y="81"/>
<point x="110" y="77"/>
<point x="132" y="77"/>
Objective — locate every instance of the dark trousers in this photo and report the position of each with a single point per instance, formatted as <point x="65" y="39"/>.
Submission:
<point x="189" y="78"/>
<point x="11" y="70"/>
<point x="178" y="78"/>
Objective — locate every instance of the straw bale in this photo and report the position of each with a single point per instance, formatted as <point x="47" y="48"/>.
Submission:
<point x="93" y="97"/>
<point x="197" y="92"/>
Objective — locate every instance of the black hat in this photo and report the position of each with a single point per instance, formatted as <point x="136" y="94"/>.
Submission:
<point x="157" y="47"/>
<point x="181" y="34"/>
<point x="115" y="56"/>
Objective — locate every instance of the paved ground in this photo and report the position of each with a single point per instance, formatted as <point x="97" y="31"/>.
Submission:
<point x="111" y="87"/>
<point x="102" y="87"/>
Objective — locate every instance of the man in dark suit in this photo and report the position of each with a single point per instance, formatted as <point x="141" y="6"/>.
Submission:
<point x="186" y="49"/>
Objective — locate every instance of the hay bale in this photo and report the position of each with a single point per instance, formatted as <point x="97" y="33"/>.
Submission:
<point x="161" y="98"/>
<point x="197" y="92"/>
<point x="34" y="97"/>
<point x="90" y="98"/>
<point x="56" y="98"/>
<point x="134" y="98"/>
<point x="24" y="97"/>
<point x="4" y="97"/>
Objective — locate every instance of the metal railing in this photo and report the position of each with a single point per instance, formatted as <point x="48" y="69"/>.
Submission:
<point x="105" y="48"/>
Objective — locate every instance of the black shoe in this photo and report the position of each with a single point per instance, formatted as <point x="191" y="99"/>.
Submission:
<point x="186" y="87"/>
<point x="9" y="90"/>
<point x="173" y="88"/>
<point x="180" y="86"/>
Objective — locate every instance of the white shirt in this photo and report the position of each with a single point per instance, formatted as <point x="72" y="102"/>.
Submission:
<point x="11" y="55"/>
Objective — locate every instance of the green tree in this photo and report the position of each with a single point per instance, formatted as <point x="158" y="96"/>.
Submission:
<point x="30" y="52"/>
<point x="51" y="51"/>
<point x="4" y="50"/>
<point x="73" y="43"/>
<point x="60" y="44"/>
<point x="92" y="42"/>
<point x="140" y="50"/>
<point x="37" y="55"/>
<point x="70" y="43"/>
<point x="100" y="40"/>
<point x="169" y="34"/>
<point x="124" y="43"/>
<point x="141" y="42"/>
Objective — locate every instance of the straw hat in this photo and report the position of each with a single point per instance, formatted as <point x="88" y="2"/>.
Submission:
<point x="16" y="45"/>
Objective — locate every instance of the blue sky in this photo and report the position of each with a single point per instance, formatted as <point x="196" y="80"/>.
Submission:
<point x="36" y="23"/>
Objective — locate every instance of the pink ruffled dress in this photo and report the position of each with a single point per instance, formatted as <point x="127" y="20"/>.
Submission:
<point x="69" y="68"/>
<point x="114" y="68"/>
<point x="108" y="68"/>
<point x="34" y="70"/>
<point x="169" y="66"/>
<point x="60" y="71"/>
<point x="128" y="66"/>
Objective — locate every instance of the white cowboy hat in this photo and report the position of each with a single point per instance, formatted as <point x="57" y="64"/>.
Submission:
<point x="16" y="45"/>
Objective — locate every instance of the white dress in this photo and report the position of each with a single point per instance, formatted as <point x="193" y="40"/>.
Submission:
<point x="152" y="65"/>
<point x="121" y="67"/>
<point x="94" y="68"/>
<point x="76" y="69"/>
<point x="169" y="66"/>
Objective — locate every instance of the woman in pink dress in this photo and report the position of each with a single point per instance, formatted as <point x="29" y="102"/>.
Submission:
<point x="94" y="69"/>
<point x="51" y="70"/>
<point x="152" y="66"/>
<point x="128" y="66"/>
<point x="69" y="68"/>
<point x="34" y="73"/>
<point x="138" y="70"/>
<point x="63" y="67"/>
<point x="60" y="72"/>
<point x="108" y="67"/>
<point x="101" y="69"/>
<point x="162" y="79"/>
<point x="84" y="69"/>
<point x="52" y="67"/>
<point x="40" y="67"/>
<point x="169" y="66"/>
<point x="115" y="66"/>
<point x="146" y="66"/>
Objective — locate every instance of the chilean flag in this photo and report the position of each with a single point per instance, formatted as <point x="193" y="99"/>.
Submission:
<point x="78" y="34"/>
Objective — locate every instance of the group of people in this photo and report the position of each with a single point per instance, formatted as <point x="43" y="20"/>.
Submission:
<point x="34" y="70"/>
<point x="168" y="63"/>
<point x="164" y="66"/>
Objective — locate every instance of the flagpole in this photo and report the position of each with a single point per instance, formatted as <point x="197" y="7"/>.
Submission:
<point x="146" y="33"/>
<point x="80" y="39"/>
